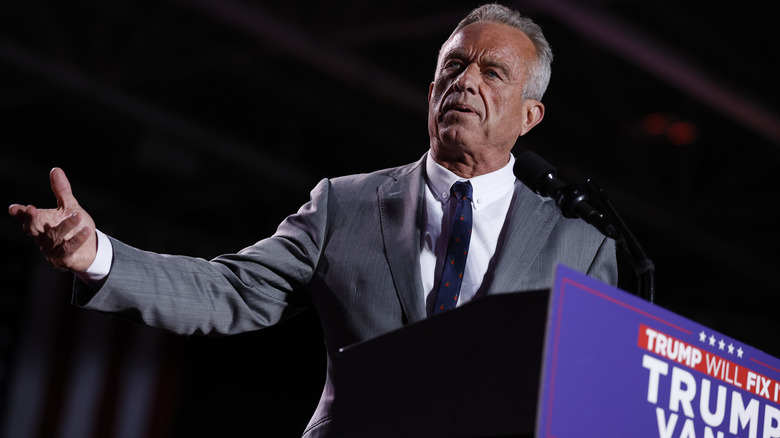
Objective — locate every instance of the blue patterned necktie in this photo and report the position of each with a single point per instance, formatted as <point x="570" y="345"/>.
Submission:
<point x="457" y="250"/>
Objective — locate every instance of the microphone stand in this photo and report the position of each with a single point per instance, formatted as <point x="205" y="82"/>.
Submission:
<point x="618" y="230"/>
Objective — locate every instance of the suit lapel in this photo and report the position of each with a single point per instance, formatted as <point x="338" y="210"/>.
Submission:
<point x="400" y="209"/>
<point x="527" y="229"/>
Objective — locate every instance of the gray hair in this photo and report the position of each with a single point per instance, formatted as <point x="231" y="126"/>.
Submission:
<point x="540" y="72"/>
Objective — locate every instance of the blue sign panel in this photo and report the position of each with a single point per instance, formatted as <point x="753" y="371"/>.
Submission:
<point x="618" y="366"/>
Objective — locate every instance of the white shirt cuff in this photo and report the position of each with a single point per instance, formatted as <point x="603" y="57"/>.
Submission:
<point x="101" y="266"/>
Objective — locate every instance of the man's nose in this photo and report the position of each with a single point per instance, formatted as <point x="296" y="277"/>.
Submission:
<point x="468" y="79"/>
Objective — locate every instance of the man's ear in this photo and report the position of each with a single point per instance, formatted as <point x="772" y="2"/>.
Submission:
<point x="533" y="113"/>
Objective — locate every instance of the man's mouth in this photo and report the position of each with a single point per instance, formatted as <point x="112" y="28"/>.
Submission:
<point x="458" y="107"/>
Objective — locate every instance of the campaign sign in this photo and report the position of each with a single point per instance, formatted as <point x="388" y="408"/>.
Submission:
<point x="618" y="366"/>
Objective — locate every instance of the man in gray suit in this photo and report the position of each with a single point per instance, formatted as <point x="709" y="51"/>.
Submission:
<point x="367" y="250"/>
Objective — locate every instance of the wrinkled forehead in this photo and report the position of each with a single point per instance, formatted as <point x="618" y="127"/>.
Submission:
<point x="491" y="38"/>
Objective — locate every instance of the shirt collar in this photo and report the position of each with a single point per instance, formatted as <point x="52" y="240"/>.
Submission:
<point x="486" y="188"/>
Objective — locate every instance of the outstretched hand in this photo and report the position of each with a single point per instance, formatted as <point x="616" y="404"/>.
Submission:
<point x="66" y="234"/>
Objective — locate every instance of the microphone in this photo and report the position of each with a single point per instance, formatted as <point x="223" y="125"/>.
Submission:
<point x="541" y="177"/>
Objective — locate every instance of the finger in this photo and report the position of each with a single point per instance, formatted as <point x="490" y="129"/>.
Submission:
<point x="61" y="188"/>
<point x="24" y="214"/>
<point x="17" y="211"/>
<point x="67" y="254"/>
<point x="57" y="234"/>
<point x="71" y="245"/>
<point x="28" y="216"/>
<point x="30" y="222"/>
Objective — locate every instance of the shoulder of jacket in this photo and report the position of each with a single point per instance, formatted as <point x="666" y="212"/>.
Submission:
<point x="382" y="176"/>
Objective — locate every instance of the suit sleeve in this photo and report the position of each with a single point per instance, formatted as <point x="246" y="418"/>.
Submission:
<point x="254" y="288"/>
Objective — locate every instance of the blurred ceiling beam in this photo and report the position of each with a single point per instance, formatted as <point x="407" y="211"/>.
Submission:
<point x="296" y="43"/>
<point x="213" y="143"/>
<point x="404" y="30"/>
<point x="628" y="44"/>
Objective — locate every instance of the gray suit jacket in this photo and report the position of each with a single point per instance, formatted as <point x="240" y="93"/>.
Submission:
<point x="353" y="253"/>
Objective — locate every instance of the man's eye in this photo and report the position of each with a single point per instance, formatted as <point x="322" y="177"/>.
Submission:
<point x="455" y="64"/>
<point x="492" y="73"/>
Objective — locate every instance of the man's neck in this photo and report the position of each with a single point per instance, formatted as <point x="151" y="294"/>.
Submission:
<point x="469" y="166"/>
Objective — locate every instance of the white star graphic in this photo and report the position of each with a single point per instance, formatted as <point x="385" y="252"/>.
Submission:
<point x="731" y="348"/>
<point x="702" y="336"/>
<point x="712" y="340"/>
<point x="721" y="345"/>
<point x="739" y="352"/>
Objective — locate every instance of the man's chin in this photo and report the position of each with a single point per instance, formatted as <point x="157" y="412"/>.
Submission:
<point x="454" y="148"/>
<point x="456" y="138"/>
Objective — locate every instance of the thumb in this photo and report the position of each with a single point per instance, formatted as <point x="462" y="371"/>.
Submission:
<point x="61" y="188"/>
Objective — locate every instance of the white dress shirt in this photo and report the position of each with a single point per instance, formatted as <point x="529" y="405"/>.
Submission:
<point x="492" y="195"/>
<point x="100" y="267"/>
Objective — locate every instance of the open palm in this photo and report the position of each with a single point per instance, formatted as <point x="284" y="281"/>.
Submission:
<point x="66" y="234"/>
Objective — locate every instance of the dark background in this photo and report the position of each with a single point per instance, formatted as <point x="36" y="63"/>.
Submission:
<point x="196" y="126"/>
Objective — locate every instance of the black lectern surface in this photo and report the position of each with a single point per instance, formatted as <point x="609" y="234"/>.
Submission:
<point x="470" y="372"/>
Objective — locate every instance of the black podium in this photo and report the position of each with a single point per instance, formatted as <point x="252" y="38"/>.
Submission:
<point x="470" y="372"/>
